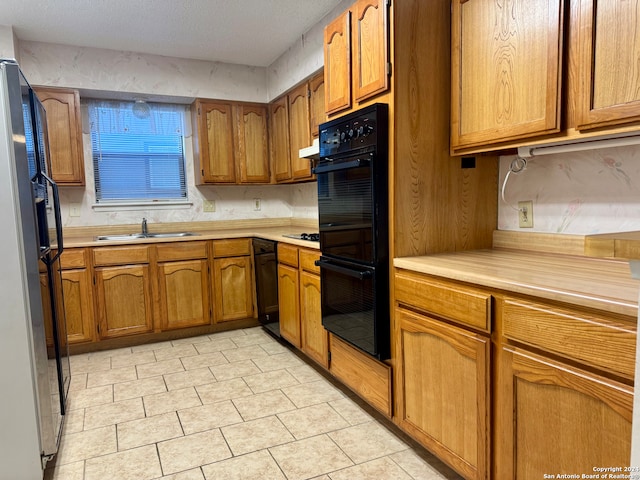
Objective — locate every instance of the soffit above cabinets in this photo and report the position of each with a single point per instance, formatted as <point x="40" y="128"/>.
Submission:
<point x="245" y="32"/>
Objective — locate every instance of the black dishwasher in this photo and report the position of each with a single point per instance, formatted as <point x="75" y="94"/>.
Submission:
<point x="266" y="272"/>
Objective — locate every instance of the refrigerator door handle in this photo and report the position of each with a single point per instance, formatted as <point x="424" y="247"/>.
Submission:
<point x="343" y="270"/>
<point x="58" y="216"/>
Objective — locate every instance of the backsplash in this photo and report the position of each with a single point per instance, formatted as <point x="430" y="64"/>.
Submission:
<point x="596" y="191"/>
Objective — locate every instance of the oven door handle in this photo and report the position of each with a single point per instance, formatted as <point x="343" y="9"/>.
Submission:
<point x="360" y="162"/>
<point x="343" y="270"/>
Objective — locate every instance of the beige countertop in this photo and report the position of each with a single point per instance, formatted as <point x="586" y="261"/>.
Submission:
<point x="86" y="236"/>
<point x="603" y="284"/>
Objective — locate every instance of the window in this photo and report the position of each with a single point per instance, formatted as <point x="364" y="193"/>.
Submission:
<point x="137" y="151"/>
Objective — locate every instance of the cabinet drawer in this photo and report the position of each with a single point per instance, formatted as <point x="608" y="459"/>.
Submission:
<point x="602" y="342"/>
<point x="307" y="261"/>
<point x="181" y="251"/>
<point x="73" y="258"/>
<point x="288" y="254"/>
<point x="232" y="248"/>
<point x="464" y="305"/>
<point x="120" y="255"/>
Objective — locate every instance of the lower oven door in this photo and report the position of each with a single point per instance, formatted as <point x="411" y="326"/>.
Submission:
<point x="355" y="304"/>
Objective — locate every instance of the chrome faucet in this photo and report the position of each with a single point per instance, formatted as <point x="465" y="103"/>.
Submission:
<point x="144" y="226"/>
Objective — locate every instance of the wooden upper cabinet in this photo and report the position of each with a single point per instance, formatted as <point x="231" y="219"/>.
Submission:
<point x="317" y="115"/>
<point x="370" y="50"/>
<point x="337" y="64"/>
<point x="279" y="117"/>
<point x="64" y="130"/>
<point x="213" y="142"/>
<point x="299" y="137"/>
<point x="253" y="144"/>
<point x="609" y="70"/>
<point x="506" y="70"/>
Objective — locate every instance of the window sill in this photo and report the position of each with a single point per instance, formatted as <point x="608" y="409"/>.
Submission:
<point x="122" y="206"/>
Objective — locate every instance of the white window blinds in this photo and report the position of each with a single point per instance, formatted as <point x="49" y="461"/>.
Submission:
<point x="137" y="151"/>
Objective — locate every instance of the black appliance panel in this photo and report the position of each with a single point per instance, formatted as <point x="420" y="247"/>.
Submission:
<point x="355" y="304"/>
<point x="266" y="273"/>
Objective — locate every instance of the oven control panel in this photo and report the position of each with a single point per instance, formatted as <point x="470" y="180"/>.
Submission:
<point x="354" y="131"/>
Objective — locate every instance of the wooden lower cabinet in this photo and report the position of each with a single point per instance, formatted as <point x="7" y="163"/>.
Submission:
<point x="556" y="418"/>
<point x="233" y="286"/>
<point x="123" y="300"/>
<point x="314" y="338"/>
<point x="289" y="303"/>
<point x="444" y="402"/>
<point x="78" y="305"/>
<point x="184" y="294"/>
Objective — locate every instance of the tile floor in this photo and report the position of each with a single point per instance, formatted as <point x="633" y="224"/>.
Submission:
<point x="230" y="405"/>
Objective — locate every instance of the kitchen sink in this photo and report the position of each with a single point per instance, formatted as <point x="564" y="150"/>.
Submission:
<point x="134" y="236"/>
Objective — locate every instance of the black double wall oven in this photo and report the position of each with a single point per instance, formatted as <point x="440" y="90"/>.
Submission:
<point x="352" y="174"/>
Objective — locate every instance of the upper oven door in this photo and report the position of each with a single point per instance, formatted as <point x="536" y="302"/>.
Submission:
<point x="346" y="207"/>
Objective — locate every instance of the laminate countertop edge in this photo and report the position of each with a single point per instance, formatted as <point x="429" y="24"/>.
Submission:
<point x="601" y="284"/>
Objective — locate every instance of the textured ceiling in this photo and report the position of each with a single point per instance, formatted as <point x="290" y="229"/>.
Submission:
<point x="247" y="32"/>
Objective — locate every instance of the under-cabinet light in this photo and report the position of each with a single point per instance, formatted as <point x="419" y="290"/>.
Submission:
<point x="533" y="151"/>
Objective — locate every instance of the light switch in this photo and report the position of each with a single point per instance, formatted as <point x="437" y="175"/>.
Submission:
<point x="74" y="210"/>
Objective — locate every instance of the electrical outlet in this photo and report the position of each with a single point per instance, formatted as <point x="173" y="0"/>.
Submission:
<point x="257" y="204"/>
<point x="209" y="206"/>
<point x="74" y="210"/>
<point x="525" y="214"/>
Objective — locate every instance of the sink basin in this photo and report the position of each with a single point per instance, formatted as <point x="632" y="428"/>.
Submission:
<point x="133" y="236"/>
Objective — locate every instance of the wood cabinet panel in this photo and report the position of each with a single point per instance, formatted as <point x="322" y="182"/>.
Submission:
<point x="279" y="139"/>
<point x="184" y="294"/>
<point x="445" y="390"/>
<point x="365" y="375"/>
<point x="123" y="300"/>
<point x="213" y="142"/>
<point x="299" y="136"/>
<point x="370" y="51"/>
<point x="308" y="260"/>
<point x="253" y="144"/>
<point x="317" y="114"/>
<point x="73" y="258"/>
<point x="232" y="247"/>
<point x="314" y="338"/>
<point x="590" y="417"/>
<point x="173" y="251"/>
<point x="610" y="76"/>
<point x="288" y="255"/>
<point x="64" y="131"/>
<point x="337" y="64"/>
<point x="554" y="329"/>
<point x="233" y="288"/>
<point x="461" y="304"/>
<point x="78" y="305"/>
<point x="506" y="70"/>
<point x="104" y="256"/>
<point x="289" y="303"/>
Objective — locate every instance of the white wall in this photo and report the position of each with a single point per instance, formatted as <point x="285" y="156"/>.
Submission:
<point x="8" y="43"/>
<point x="588" y="192"/>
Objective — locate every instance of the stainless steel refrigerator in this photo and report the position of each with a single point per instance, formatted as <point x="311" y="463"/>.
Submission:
<point x="34" y="363"/>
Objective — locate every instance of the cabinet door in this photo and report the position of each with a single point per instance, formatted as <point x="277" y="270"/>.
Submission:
<point x="233" y="288"/>
<point x="215" y="157"/>
<point x="445" y="391"/>
<point x="610" y="74"/>
<point x="337" y="64"/>
<point x="558" y="418"/>
<point x="370" y="50"/>
<point x="184" y="294"/>
<point x="64" y="130"/>
<point x="253" y="144"/>
<point x="289" y="303"/>
<point x="314" y="338"/>
<point x="279" y="141"/>
<point x="78" y="305"/>
<point x="506" y="70"/>
<point x="317" y="116"/>
<point x="123" y="300"/>
<point x="299" y="130"/>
